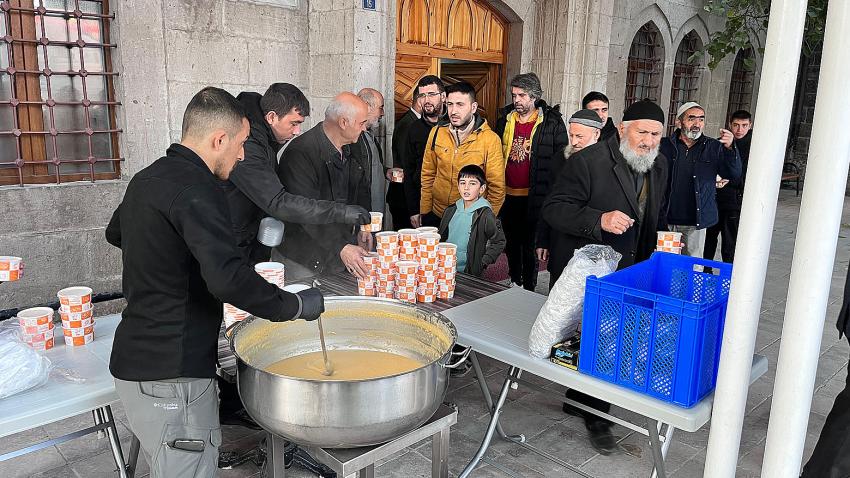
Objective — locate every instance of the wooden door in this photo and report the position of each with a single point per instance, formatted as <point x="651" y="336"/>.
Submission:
<point x="468" y="30"/>
<point x="485" y="77"/>
<point x="408" y="70"/>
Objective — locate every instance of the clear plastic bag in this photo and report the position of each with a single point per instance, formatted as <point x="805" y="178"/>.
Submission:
<point x="560" y="316"/>
<point x="21" y="367"/>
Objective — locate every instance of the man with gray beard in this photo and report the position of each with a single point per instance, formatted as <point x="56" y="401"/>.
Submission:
<point x="609" y="193"/>
<point x="696" y="162"/>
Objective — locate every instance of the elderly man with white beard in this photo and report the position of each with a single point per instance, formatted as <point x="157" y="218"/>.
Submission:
<point x="695" y="162"/>
<point x="609" y="193"/>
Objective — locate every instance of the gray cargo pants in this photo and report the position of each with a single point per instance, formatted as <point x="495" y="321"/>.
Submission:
<point x="176" y="422"/>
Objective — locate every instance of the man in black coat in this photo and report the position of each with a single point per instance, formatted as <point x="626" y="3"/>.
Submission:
<point x="831" y="456"/>
<point x="730" y="193"/>
<point x="598" y="102"/>
<point x="533" y="139"/>
<point x="396" y="199"/>
<point x="610" y="193"/>
<point x="433" y="94"/>
<point x="319" y="165"/>
<point x="254" y="190"/>
<point x="180" y="261"/>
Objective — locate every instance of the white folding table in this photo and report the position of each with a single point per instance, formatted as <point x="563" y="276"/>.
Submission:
<point x="498" y="326"/>
<point x="61" y="398"/>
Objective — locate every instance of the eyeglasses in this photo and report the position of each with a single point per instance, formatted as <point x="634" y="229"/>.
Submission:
<point x="429" y="95"/>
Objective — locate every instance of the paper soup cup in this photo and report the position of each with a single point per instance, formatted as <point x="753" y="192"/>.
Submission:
<point x="77" y="295"/>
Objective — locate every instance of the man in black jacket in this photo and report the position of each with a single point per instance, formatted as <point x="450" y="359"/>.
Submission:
<point x="396" y="199"/>
<point x="319" y="165"/>
<point x="730" y="194"/>
<point x="433" y="94"/>
<point x="254" y="190"/>
<point x="695" y="161"/>
<point x="180" y="261"/>
<point x="533" y="139"/>
<point x="598" y="102"/>
<point x="610" y="193"/>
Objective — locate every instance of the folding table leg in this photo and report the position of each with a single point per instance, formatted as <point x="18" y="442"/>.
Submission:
<point x="440" y="454"/>
<point x="114" y="441"/>
<point x="98" y="419"/>
<point x="488" y="399"/>
<point x="275" y="465"/>
<point x="494" y="421"/>
<point x="368" y="472"/>
<point x="652" y="427"/>
<point x="668" y="439"/>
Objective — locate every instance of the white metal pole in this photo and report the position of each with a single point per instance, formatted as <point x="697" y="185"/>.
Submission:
<point x="814" y="254"/>
<point x="772" y="119"/>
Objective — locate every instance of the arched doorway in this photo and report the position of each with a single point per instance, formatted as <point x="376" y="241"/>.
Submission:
<point x="686" y="75"/>
<point x="458" y="40"/>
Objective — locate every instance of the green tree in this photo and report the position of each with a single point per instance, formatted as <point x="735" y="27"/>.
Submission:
<point x="746" y="25"/>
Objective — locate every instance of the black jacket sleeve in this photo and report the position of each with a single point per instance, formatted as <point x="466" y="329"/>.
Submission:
<point x="566" y="207"/>
<point x="728" y="161"/>
<point x="113" y="229"/>
<point x="209" y="236"/>
<point x="257" y="180"/>
<point x="412" y="165"/>
<point x="299" y="174"/>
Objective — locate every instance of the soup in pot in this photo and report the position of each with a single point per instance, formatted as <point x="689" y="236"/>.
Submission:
<point x="347" y="365"/>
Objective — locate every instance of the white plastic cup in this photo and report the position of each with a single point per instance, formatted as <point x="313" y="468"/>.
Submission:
<point x="270" y="232"/>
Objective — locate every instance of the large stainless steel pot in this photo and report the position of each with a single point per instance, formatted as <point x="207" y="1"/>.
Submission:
<point x="345" y="414"/>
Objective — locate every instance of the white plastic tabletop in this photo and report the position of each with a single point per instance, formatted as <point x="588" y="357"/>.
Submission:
<point x="58" y="398"/>
<point x="498" y="326"/>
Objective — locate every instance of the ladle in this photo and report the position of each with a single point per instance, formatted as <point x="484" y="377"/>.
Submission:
<point x="329" y="369"/>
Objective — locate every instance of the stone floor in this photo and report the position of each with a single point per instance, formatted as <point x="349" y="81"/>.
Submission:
<point x="536" y="414"/>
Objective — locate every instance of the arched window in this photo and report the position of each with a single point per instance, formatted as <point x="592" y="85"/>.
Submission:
<point x="643" y="77"/>
<point x="685" y="77"/>
<point x="741" y="85"/>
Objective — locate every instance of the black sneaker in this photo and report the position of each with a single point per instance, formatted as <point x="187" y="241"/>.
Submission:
<point x="302" y="458"/>
<point x="600" y="436"/>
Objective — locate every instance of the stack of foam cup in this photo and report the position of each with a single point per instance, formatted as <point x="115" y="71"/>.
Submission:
<point x="424" y="229"/>
<point x="10" y="268"/>
<point x="36" y="325"/>
<point x="446" y="270"/>
<point x="387" y="247"/>
<point x="669" y="242"/>
<point x="376" y="223"/>
<point x="368" y="285"/>
<point x="405" y="282"/>
<point x="427" y="290"/>
<point x="77" y="315"/>
<point x="272" y="272"/>
<point x="408" y="245"/>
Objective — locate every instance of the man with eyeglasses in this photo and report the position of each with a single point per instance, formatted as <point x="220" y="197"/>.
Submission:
<point x="433" y="95"/>
<point x="396" y="200"/>
<point x="695" y="162"/>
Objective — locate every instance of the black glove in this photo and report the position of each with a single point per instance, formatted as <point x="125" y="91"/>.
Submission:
<point x="357" y="215"/>
<point x="312" y="304"/>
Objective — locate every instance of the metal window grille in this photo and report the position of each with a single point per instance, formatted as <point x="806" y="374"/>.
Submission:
<point x="643" y="77"/>
<point x="685" y="77"/>
<point x="741" y="86"/>
<point x="57" y="103"/>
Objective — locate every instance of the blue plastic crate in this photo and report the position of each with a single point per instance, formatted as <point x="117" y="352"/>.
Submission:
<point x="656" y="327"/>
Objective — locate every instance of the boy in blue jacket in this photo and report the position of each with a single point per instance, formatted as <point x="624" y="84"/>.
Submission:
<point x="471" y="224"/>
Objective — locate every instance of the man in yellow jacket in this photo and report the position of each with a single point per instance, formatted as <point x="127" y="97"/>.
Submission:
<point x="467" y="139"/>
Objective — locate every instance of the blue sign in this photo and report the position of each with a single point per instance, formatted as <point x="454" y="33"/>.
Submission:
<point x="370" y="4"/>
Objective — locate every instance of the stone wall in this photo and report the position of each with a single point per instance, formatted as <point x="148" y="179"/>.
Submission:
<point x="167" y="51"/>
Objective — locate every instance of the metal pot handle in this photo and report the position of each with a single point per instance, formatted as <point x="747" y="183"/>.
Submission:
<point x="463" y="354"/>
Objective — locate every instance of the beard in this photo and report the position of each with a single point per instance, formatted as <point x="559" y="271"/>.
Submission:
<point x="693" y="134"/>
<point x="640" y="163"/>
<point x="568" y="150"/>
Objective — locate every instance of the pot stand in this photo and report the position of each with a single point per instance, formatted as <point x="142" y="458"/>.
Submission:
<point x="346" y="461"/>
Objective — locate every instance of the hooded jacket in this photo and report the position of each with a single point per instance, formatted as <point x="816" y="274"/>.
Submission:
<point x="709" y="159"/>
<point x="486" y="238"/>
<point x="548" y="140"/>
<point x="254" y="191"/>
<point x="180" y="262"/>
<point x="443" y="159"/>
